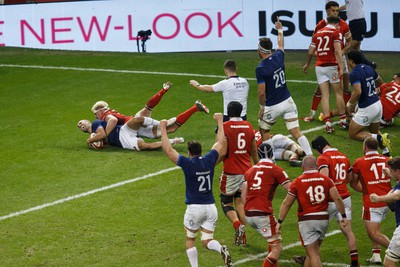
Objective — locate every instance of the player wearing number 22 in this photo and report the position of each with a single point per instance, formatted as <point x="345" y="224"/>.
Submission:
<point x="327" y="44"/>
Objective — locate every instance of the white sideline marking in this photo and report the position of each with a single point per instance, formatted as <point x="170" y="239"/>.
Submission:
<point x="295" y="244"/>
<point x="133" y="72"/>
<point x="88" y="193"/>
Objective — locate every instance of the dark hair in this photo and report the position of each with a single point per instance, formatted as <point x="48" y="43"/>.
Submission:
<point x="371" y="143"/>
<point x="265" y="151"/>
<point x="333" y="20"/>
<point x="230" y="65"/>
<point x="319" y="143"/>
<point x="234" y="109"/>
<point x="194" y="148"/>
<point x="394" y="163"/>
<point x="331" y="4"/>
<point x="265" y="43"/>
<point x="355" y="56"/>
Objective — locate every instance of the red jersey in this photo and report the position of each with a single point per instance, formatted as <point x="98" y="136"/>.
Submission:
<point x="122" y="119"/>
<point x="390" y="99"/>
<point x="312" y="192"/>
<point x="344" y="29"/>
<point x="369" y="169"/>
<point x="323" y="41"/>
<point x="240" y="135"/>
<point x="338" y="165"/>
<point x="262" y="180"/>
<point x="258" y="137"/>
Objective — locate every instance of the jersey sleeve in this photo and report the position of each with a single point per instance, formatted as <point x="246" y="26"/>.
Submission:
<point x="219" y="86"/>
<point x="182" y="161"/>
<point x="281" y="176"/>
<point x="260" y="75"/>
<point x="322" y="162"/>
<point x="353" y="77"/>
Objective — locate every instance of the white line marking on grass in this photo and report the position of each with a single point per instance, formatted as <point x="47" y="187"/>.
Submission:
<point x="296" y="244"/>
<point x="88" y="193"/>
<point x="134" y="72"/>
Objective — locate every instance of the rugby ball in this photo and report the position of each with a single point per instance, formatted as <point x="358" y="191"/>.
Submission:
<point x="97" y="144"/>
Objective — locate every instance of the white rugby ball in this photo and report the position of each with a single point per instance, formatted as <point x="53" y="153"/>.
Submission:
<point x="97" y="144"/>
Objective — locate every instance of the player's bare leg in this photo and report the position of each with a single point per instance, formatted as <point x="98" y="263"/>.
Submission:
<point x="351" y="242"/>
<point x="325" y="106"/>
<point x="313" y="258"/>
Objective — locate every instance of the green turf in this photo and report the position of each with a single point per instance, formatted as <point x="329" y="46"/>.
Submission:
<point x="44" y="158"/>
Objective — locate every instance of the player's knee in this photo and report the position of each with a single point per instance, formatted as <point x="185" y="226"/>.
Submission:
<point x="190" y="234"/>
<point x="264" y="125"/>
<point x="290" y="125"/>
<point x="227" y="203"/>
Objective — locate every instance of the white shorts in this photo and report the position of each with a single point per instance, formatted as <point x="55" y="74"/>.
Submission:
<point x="393" y="251"/>
<point x="375" y="214"/>
<point x="281" y="141"/>
<point x="198" y="215"/>
<point x="368" y="115"/>
<point x="333" y="211"/>
<point x="230" y="184"/>
<point x="286" y="109"/>
<point x="146" y="132"/>
<point x="129" y="138"/>
<point x="327" y="74"/>
<point x="312" y="230"/>
<point x="265" y="226"/>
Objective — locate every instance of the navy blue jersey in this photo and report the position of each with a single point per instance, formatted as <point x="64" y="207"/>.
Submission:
<point x="199" y="173"/>
<point x="366" y="76"/>
<point x="397" y="206"/>
<point x="113" y="137"/>
<point x="271" y="71"/>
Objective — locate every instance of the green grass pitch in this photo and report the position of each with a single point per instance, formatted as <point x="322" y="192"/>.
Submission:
<point x="44" y="158"/>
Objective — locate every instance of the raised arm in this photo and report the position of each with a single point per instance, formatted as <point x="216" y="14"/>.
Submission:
<point x="278" y="27"/>
<point x="171" y="153"/>
<point x="220" y="145"/>
<point x="201" y="87"/>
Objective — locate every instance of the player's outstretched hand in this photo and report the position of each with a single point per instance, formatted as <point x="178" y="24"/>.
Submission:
<point x="194" y="83"/>
<point x="278" y="24"/>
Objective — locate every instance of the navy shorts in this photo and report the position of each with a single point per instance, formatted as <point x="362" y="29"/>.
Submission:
<point x="358" y="28"/>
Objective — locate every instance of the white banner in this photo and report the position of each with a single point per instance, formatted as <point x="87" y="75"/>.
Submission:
<point x="182" y="25"/>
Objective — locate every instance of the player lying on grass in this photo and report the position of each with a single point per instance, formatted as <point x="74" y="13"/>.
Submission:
<point x="284" y="148"/>
<point x="124" y="136"/>
<point x="129" y="134"/>
<point x="102" y="111"/>
<point x="389" y="94"/>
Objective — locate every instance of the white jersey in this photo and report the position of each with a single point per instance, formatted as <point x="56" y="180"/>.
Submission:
<point x="355" y="9"/>
<point x="234" y="88"/>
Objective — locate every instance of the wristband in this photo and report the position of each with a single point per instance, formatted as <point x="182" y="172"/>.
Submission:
<point x="198" y="85"/>
<point x="280" y="221"/>
<point x="280" y="31"/>
<point x="344" y="215"/>
<point x="262" y="106"/>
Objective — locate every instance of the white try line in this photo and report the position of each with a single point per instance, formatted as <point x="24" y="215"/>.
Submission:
<point x="133" y="72"/>
<point x="88" y="193"/>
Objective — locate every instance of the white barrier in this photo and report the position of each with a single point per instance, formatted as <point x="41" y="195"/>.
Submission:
<point x="185" y="25"/>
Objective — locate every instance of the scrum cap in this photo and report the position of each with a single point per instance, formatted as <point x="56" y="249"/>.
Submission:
<point x="265" y="151"/>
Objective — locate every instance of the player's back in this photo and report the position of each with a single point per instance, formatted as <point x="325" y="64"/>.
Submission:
<point x="370" y="171"/>
<point x="312" y="192"/>
<point x="366" y="76"/>
<point x="344" y="28"/>
<point x="122" y="119"/>
<point x="338" y="165"/>
<point x="199" y="174"/>
<point x="390" y="96"/>
<point x="240" y="135"/>
<point x="262" y="180"/>
<point x="324" y="40"/>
